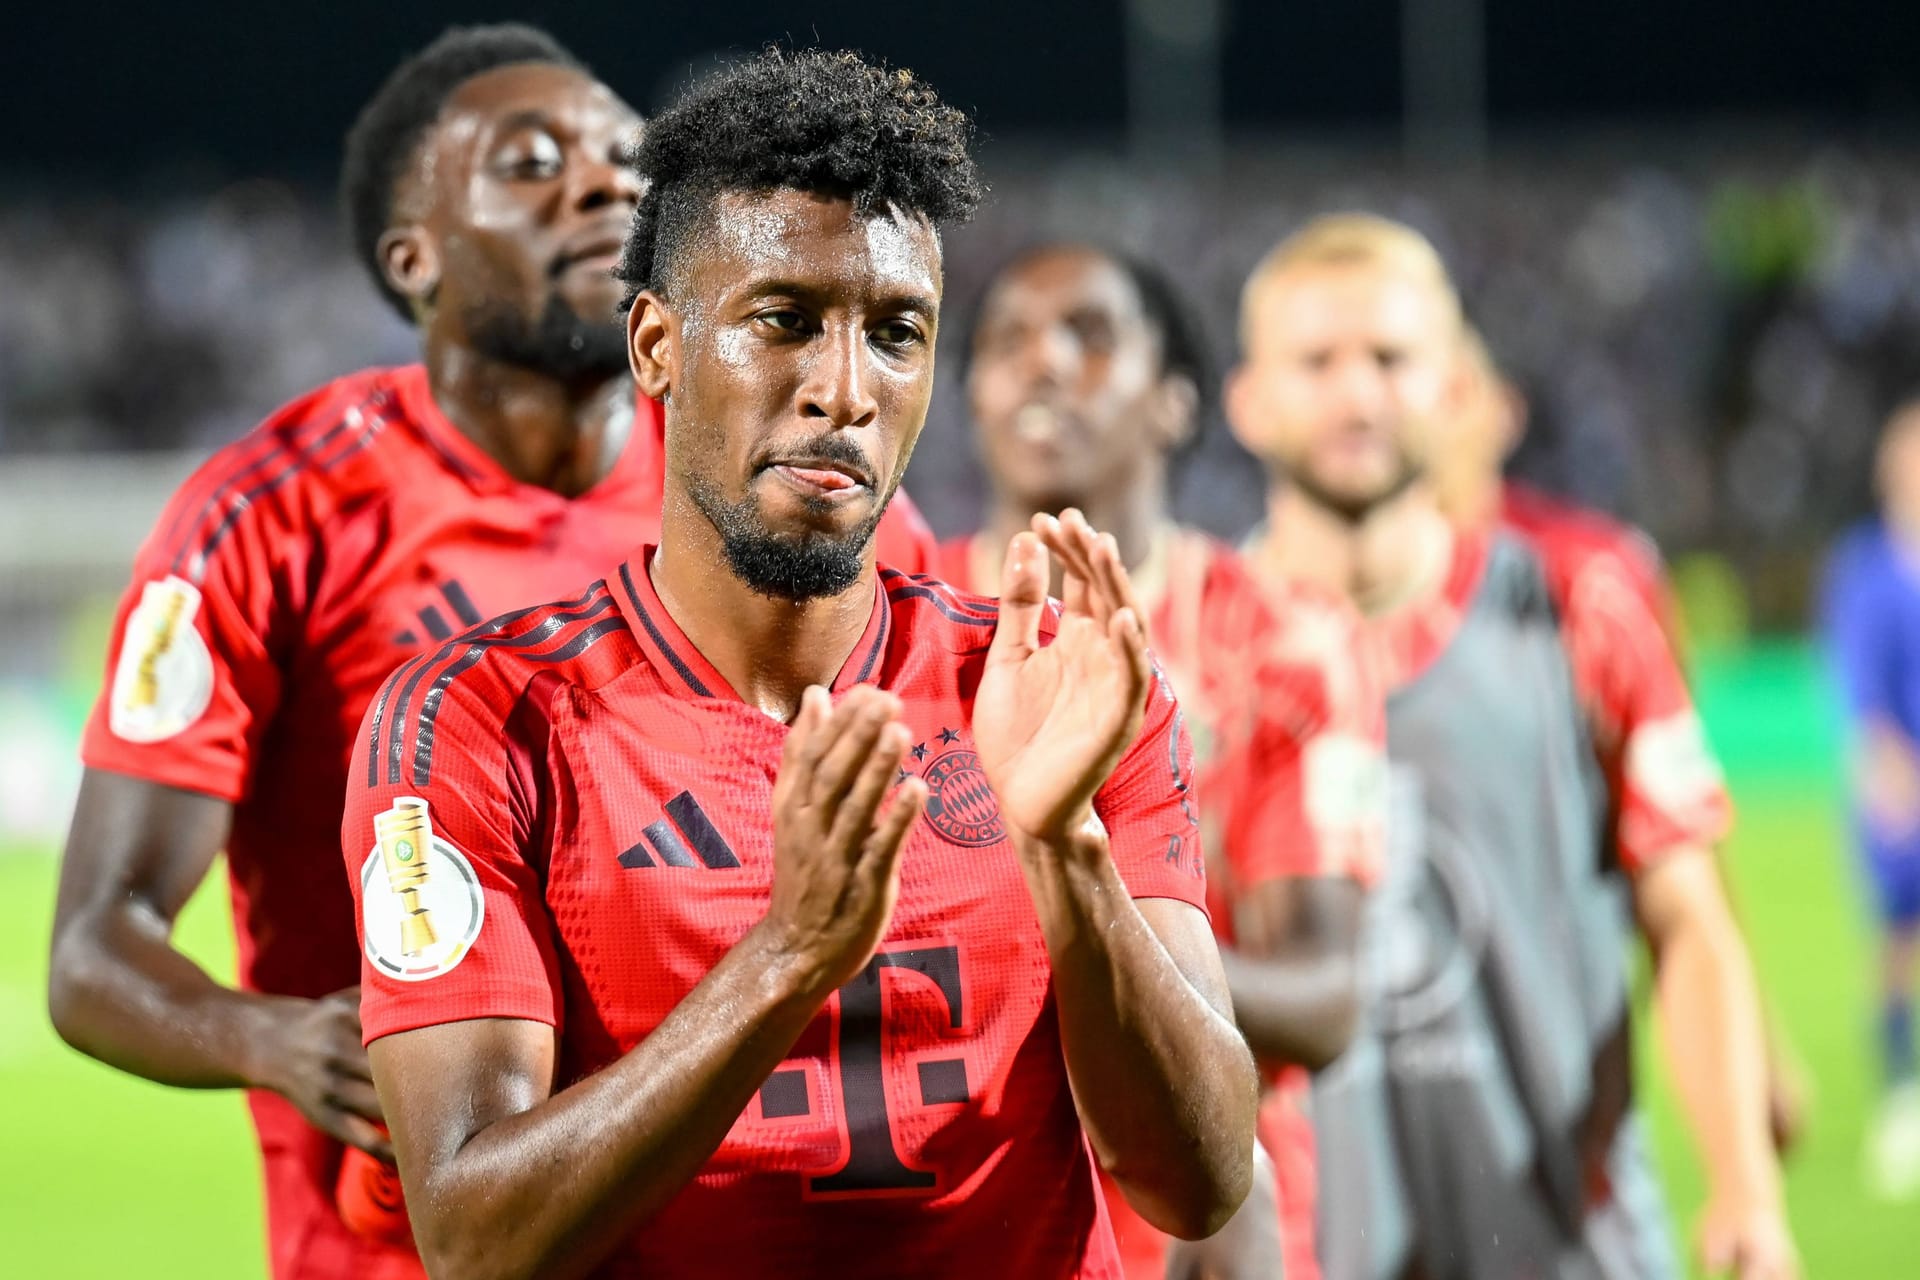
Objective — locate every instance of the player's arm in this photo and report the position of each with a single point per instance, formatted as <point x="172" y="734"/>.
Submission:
<point x="1673" y="810"/>
<point x="1709" y="1009"/>
<point x="1294" y="971"/>
<point x="503" y="1176"/>
<point x="120" y="992"/>
<point x="1163" y="1082"/>
<point x="1863" y="646"/>
<point x="1303" y="823"/>
<point x="191" y="685"/>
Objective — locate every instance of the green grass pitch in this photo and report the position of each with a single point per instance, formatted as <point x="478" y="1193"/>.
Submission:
<point x="102" y="1175"/>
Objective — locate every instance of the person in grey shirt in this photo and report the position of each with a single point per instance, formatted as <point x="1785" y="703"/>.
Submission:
<point x="1550" y="781"/>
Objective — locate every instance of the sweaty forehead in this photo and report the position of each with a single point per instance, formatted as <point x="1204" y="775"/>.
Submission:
<point x="528" y="89"/>
<point x="817" y="242"/>
<point x="1060" y="282"/>
<point x="1316" y="305"/>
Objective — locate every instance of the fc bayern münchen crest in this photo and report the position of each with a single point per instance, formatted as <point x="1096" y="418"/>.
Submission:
<point x="960" y="804"/>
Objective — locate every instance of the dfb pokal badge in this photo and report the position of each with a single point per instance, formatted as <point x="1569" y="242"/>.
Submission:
<point x="164" y="678"/>
<point x="421" y="904"/>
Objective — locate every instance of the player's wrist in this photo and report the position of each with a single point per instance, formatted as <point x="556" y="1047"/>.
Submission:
<point x="265" y="1055"/>
<point x="792" y="965"/>
<point x="1071" y="874"/>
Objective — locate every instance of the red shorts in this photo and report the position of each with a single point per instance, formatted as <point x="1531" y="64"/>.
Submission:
<point x="305" y="1238"/>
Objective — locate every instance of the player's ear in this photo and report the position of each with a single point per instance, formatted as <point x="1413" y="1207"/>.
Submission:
<point x="1178" y="411"/>
<point x="1514" y="414"/>
<point x="652" y="339"/>
<point x="409" y="263"/>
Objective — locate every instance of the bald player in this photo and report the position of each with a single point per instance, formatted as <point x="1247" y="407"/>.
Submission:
<point x="1482" y="1124"/>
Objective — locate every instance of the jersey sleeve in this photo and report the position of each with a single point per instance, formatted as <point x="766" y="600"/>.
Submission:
<point x="1148" y="807"/>
<point x="1667" y="787"/>
<point x="452" y="920"/>
<point x="192" y="679"/>
<point x="904" y="540"/>
<point x="1308" y="794"/>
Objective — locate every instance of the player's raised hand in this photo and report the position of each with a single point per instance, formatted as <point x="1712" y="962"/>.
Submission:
<point x="314" y="1060"/>
<point x="836" y="853"/>
<point x="1051" y="722"/>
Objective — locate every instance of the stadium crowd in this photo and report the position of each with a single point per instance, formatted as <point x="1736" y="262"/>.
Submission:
<point x="1708" y="348"/>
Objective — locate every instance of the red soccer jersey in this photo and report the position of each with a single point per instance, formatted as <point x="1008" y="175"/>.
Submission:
<point x="598" y="802"/>
<point x="1666" y="787"/>
<point x="1290" y="735"/>
<point x="283" y="582"/>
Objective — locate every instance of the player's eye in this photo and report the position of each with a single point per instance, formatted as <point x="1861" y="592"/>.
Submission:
<point x="897" y="333"/>
<point x="532" y="158"/>
<point x="1094" y="332"/>
<point x="1389" y="358"/>
<point x="783" y="320"/>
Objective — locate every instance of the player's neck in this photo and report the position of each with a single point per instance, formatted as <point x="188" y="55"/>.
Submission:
<point x="1474" y="504"/>
<point x="1134" y="515"/>
<point x="539" y="430"/>
<point x="768" y="650"/>
<point x="1395" y="555"/>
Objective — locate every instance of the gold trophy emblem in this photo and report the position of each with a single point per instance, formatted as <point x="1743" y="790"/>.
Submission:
<point x="405" y="835"/>
<point x="146" y="684"/>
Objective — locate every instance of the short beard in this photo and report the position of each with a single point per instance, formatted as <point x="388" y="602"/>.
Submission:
<point x="559" y="344"/>
<point x="1346" y="507"/>
<point x="799" y="567"/>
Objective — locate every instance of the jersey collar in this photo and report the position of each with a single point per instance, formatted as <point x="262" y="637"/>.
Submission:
<point x="686" y="671"/>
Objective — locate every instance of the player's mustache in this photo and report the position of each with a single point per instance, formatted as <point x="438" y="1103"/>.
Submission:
<point x="829" y="446"/>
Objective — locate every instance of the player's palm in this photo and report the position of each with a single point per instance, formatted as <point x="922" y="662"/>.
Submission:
<point x="1051" y="722"/>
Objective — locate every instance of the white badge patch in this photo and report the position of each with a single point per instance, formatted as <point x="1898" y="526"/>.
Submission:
<point x="165" y="676"/>
<point x="420" y="901"/>
<point x="1344" y="783"/>
<point x="1670" y="763"/>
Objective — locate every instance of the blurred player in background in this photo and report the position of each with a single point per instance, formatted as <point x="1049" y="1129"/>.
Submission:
<point x="1085" y="376"/>
<point x="1481" y="1125"/>
<point x="1470" y="449"/>
<point x="486" y="191"/>
<point x="1871" y="621"/>
<point x="789" y="1030"/>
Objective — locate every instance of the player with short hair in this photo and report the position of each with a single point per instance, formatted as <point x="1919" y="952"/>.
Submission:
<point x="1481" y="1124"/>
<point x="755" y="912"/>
<point x="1870" y="620"/>
<point x="1085" y="376"/>
<point x="487" y="194"/>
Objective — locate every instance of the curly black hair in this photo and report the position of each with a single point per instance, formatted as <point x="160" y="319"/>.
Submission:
<point x="1183" y="346"/>
<point x="827" y="123"/>
<point x="385" y="138"/>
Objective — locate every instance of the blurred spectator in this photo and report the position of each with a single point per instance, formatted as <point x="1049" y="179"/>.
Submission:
<point x="1707" y="347"/>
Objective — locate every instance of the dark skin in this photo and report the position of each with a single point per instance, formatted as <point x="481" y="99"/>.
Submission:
<point x="797" y="316"/>
<point x="1071" y="401"/>
<point x="1074" y="407"/>
<point x="517" y="195"/>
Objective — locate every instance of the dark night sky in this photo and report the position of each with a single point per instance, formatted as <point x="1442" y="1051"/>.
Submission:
<point x="95" y="94"/>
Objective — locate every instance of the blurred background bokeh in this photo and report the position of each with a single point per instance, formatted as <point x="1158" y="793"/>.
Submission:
<point x="1690" y="232"/>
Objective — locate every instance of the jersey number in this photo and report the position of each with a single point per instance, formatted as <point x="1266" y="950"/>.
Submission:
<point x="873" y="1161"/>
